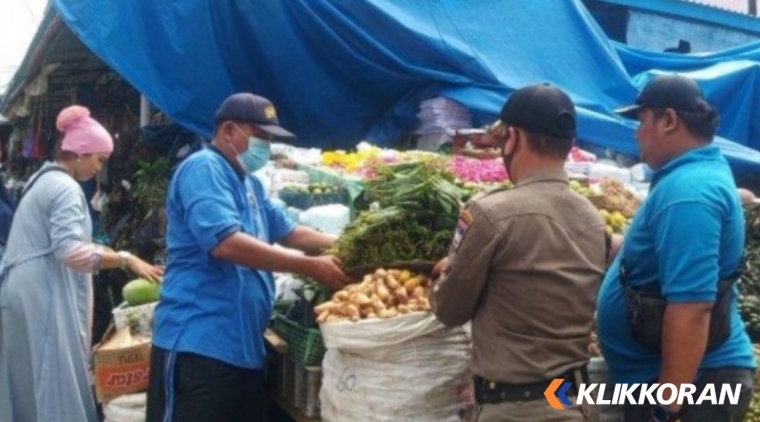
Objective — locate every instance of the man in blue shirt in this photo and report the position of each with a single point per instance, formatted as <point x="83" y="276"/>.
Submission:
<point x="208" y="353"/>
<point x="685" y="244"/>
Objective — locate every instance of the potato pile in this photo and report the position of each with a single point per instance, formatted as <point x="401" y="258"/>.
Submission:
<point x="382" y="294"/>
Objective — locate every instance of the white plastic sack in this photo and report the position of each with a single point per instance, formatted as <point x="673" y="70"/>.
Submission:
<point x="329" y="219"/>
<point x="406" y="368"/>
<point x="122" y="314"/>
<point x="128" y="408"/>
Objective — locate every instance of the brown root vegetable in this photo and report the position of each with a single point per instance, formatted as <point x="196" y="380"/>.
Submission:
<point x="352" y="311"/>
<point x="382" y="291"/>
<point x="325" y="307"/>
<point x="385" y="293"/>
<point x="411" y="284"/>
<point x="401" y="295"/>
<point x="378" y="306"/>
<point x="359" y="299"/>
<point x="425" y="304"/>
<point x="391" y="282"/>
<point x="388" y="313"/>
<point x="404" y="276"/>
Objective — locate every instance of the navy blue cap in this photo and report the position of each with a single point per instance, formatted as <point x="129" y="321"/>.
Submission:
<point x="541" y="109"/>
<point x="667" y="91"/>
<point x="250" y="108"/>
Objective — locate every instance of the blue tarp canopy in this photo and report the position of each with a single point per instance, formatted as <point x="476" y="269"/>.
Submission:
<point x="343" y="70"/>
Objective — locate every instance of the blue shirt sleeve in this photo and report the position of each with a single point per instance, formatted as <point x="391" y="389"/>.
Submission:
<point x="688" y="243"/>
<point x="206" y="194"/>
<point x="279" y="224"/>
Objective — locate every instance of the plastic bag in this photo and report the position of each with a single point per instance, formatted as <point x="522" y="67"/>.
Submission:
<point x="410" y="367"/>
<point x="129" y="408"/>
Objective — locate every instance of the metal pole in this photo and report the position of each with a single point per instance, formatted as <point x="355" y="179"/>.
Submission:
<point x="144" y="111"/>
<point x="752" y="7"/>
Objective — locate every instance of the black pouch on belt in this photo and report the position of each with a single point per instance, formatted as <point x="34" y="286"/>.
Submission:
<point x="645" y="306"/>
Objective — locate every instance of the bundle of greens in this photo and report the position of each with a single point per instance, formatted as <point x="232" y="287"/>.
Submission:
<point x="418" y="210"/>
<point x="422" y="190"/>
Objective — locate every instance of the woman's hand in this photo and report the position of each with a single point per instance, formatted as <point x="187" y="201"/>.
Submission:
<point x="145" y="270"/>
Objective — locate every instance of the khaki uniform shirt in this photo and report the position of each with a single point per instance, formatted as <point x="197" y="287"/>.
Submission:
<point x="525" y="266"/>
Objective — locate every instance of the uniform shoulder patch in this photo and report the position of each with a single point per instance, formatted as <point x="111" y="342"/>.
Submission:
<point x="465" y="220"/>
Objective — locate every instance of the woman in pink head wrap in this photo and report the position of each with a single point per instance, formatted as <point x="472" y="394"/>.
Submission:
<point x="46" y="283"/>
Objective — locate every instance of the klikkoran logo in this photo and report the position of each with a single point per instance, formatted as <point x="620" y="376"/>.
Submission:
<point x="556" y="394"/>
<point x="558" y="398"/>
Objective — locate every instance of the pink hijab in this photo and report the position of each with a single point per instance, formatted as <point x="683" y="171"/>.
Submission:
<point x="82" y="134"/>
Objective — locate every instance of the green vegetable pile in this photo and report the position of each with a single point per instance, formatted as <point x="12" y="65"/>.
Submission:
<point x="753" y="414"/>
<point x="749" y="284"/>
<point x="415" y="211"/>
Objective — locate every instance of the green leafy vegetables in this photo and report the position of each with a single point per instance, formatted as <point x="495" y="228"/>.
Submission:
<point x="418" y="209"/>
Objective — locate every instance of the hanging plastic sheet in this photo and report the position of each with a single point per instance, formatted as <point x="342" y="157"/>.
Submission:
<point x="341" y="71"/>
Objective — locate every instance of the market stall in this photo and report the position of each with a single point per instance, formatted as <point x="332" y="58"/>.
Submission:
<point x="333" y="353"/>
<point x="355" y="343"/>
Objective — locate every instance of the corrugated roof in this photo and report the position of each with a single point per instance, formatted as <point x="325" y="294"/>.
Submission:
<point x="715" y="6"/>
<point x="698" y="11"/>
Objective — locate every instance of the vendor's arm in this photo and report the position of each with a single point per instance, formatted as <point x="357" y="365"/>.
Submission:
<point x="456" y="293"/>
<point x="689" y="271"/>
<point x="308" y="240"/>
<point x="206" y="194"/>
<point x="242" y="249"/>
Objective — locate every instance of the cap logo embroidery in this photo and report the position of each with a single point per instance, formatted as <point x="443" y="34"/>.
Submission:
<point x="269" y="112"/>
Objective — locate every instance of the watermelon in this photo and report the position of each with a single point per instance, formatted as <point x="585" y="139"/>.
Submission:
<point x="141" y="291"/>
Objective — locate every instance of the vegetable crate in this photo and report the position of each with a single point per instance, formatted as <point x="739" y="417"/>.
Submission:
<point x="305" y="345"/>
<point x="297" y="386"/>
<point x="304" y="201"/>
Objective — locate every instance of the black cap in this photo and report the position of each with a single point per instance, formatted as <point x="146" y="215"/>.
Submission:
<point x="249" y="108"/>
<point x="541" y="109"/>
<point x="666" y="91"/>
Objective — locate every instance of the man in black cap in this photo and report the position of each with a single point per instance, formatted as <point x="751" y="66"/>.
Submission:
<point x="525" y="266"/>
<point x="667" y="309"/>
<point x="208" y="353"/>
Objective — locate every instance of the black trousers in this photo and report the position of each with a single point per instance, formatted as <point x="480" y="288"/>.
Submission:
<point x="204" y="390"/>
<point x="708" y="412"/>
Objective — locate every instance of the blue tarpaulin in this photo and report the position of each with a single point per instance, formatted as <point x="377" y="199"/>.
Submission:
<point x="343" y="70"/>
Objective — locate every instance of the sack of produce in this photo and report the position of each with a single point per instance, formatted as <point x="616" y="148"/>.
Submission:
<point x="388" y="358"/>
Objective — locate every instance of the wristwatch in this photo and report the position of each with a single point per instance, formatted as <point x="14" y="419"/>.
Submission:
<point x="663" y="414"/>
<point x="123" y="257"/>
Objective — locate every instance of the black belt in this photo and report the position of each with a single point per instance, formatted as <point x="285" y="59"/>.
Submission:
<point x="490" y="392"/>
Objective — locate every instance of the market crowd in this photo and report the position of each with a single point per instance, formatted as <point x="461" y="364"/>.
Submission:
<point x="530" y="268"/>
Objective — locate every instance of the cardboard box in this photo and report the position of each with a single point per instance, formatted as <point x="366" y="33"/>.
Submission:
<point x="121" y="364"/>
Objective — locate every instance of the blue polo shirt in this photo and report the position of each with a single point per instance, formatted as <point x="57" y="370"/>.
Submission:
<point x="208" y="306"/>
<point x="688" y="233"/>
